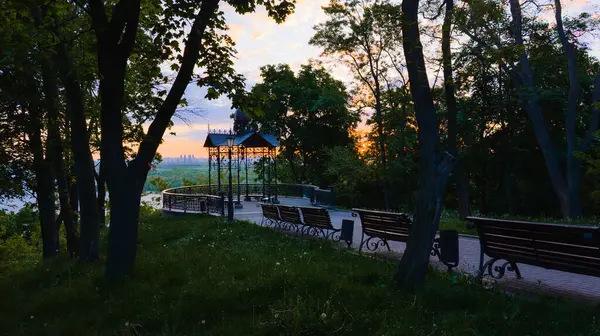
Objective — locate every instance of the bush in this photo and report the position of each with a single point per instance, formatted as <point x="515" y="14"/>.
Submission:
<point x="20" y="239"/>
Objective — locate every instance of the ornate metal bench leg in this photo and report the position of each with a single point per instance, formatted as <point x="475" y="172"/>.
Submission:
<point x="488" y="266"/>
<point x="385" y="242"/>
<point x="481" y="268"/>
<point x="323" y="233"/>
<point x="515" y="268"/>
<point x="362" y="242"/>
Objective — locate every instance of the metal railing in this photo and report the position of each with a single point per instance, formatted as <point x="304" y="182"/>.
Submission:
<point x="212" y="199"/>
<point x="176" y="201"/>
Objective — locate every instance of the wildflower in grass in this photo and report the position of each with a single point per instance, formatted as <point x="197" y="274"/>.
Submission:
<point x="323" y="316"/>
<point x="203" y="322"/>
<point x="277" y="263"/>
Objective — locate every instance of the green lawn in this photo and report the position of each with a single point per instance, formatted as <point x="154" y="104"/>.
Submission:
<point x="202" y="276"/>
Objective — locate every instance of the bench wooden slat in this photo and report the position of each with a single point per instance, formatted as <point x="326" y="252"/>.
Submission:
<point x="582" y="250"/>
<point x="289" y="214"/>
<point x="388" y="235"/>
<point x="317" y="217"/>
<point x="270" y="211"/>
<point x="390" y="227"/>
<point x="577" y="235"/>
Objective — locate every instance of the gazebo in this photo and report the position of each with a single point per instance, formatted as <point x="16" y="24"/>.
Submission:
<point x="235" y="150"/>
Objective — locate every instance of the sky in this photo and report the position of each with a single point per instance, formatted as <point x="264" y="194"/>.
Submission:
<point x="260" y="41"/>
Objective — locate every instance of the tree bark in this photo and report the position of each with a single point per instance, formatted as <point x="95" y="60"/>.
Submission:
<point x="415" y="260"/>
<point x="573" y="163"/>
<point x="84" y="165"/>
<point x="55" y="154"/>
<point x="449" y="91"/>
<point x="44" y="183"/>
<point x="101" y="183"/>
<point x="526" y="89"/>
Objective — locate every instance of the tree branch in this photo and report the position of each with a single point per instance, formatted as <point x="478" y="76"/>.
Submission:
<point x="98" y="13"/>
<point x="82" y="7"/>
<point x="360" y="73"/>
<point x="157" y="128"/>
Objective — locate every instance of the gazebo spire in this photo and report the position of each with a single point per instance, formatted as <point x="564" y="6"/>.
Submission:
<point x="240" y="121"/>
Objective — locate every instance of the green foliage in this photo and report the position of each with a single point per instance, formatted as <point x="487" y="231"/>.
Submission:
<point x="308" y="112"/>
<point x="159" y="183"/>
<point x="200" y="275"/>
<point x="20" y="239"/>
<point x="350" y="174"/>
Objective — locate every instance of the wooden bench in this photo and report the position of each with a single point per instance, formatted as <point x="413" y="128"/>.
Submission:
<point x="270" y="215"/>
<point x="380" y="226"/>
<point x="568" y="248"/>
<point x="317" y="221"/>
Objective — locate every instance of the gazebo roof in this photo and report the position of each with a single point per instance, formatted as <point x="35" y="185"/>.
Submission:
<point x="249" y="138"/>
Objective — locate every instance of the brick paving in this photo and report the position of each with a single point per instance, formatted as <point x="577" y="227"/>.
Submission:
<point x="535" y="280"/>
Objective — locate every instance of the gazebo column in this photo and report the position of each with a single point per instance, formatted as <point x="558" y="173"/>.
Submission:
<point x="218" y="170"/>
<point x="264" y="191"/>
<point x="275" y="200"/>
<point x="210" y="154"/>
<point x="247" y="198"/>
<point x="269" y="172"/>
<point x="239" y="192"/>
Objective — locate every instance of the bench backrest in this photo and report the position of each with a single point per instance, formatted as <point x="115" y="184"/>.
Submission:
<point x="387" y="225"/>
<point x="567" y="248"/>
<point x="316" y="217"/>
<point x="289" y="214"/>
<point x="270" y="211"/>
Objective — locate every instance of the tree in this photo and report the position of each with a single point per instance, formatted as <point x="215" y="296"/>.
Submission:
<point x="24" y="108"/>
<point x="364" y="35"/>
<point x="415" y="260"/>
<point x="308" y="112"/>
<point x="116" y="32"/>
<point x="80" y="143"/>
<point x="566" y="184"/>
<point x="452" y="107"/>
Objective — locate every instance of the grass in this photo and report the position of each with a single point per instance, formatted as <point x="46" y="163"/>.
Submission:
<point x="202" y="276"/>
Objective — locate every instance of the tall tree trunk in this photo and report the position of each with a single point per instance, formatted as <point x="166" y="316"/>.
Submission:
<point x="381" y="136"/>
<point x="55" y="154"/>
<point x="573" y="163"/>
<point x="84" y="165"/>
<point x="125" y="183"/>
<point x="527" y="92"/>
<point x="44" y="185"/>
<point x="101" y="182"/>
<point x="414" y="263"/>
<point x="449" y="90"/>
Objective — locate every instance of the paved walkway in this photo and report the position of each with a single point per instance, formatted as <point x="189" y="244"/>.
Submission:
<point x="535" y="279"/>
